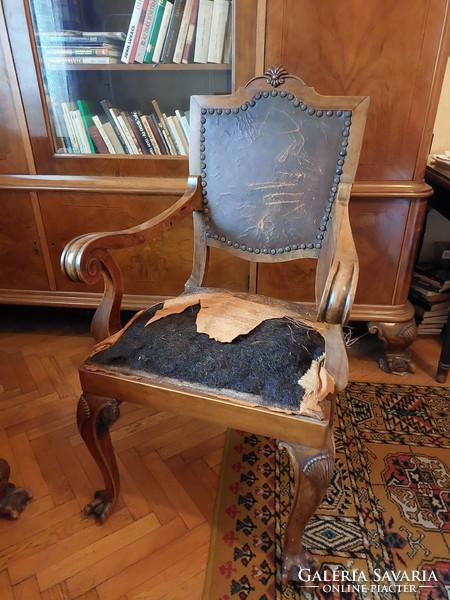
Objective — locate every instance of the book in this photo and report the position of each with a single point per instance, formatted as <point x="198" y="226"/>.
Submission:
<point x="101" y="50"/>
<point x="66" y="108"/>
<point x="81" y="60"/>
<point x="80" y="131"/>
<point x="162" y="32"/>
<point x="137" y="34"/>
<point x="145" y="120"/>
<point x="106" y="135"/>
<point x="176" y="134"/>
<point x="131" y="33"/>
<point x="172" y="31"/>
<point x="182" y="33"/>
<point x="112" y="136"/>
<point x="205" y="10"/>
<point x="432" y="274"/>
<point x="140" y="133"/>
<point x="159" y="13"/>
<point x="86" y="115"/>
<point x="145" y="33"/>
<point x="228" y="43"/>
<point x="157" y="130"/>
<point x="112" y="118"/>
<point x="189" y="44"/>
<point x="164" y="128"/>
<point x="218" y="25"/>
<point x="98" y="141"/>
<point x="133" y="146"/>
<point x="83" y="35"/>
<point x="183" y="120"/>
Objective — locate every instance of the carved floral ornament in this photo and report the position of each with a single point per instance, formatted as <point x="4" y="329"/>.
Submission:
<point x="275" y="75"/>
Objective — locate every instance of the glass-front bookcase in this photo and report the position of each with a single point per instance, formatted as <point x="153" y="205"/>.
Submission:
<point x="117" y="74"/>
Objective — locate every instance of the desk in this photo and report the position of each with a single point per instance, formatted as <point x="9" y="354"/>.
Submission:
<point x="439" y="179"/>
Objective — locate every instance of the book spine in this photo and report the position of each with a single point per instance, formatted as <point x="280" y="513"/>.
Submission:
<point x="145" y="123"/>
<point x="128" y="134"/>
<point x="99" y="142"/>
<point x="68" y="51"/>
<point x="146" y="29"/>
<point x="189" y="44"/>
<point x="101" y="130"/>
<point x="80" y="131"/>
<point x="164" y="128"/>
<point x="218" y="26"/>
<point x="81" y="60"/>
<point x="141" y="134"/>
<point x="66" y="109"/>
<point x="162" y="32"/>
<point x="159" y="13"/>
<point x="181" y="40"/>
<point x="172" y="31"/>
<point x="108" y="109"/>
<point x="158" y="133"/>
<point x="131" y="34"/>
<point x="86" y="116"/>
<point x="137" y="35"/>
<point x="205" y="10"/>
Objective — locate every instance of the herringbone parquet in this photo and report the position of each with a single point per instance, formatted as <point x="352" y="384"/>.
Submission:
<point x="155" y="545"/>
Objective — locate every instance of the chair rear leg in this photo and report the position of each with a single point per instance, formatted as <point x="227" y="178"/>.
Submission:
<point x="313" y="471"/>
<point x="95" y="415"/>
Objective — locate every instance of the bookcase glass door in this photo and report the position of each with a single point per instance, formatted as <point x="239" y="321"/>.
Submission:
<point x="118" y="74"/>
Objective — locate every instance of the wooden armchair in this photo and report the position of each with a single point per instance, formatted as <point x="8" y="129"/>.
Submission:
<point x="271" y="171"/>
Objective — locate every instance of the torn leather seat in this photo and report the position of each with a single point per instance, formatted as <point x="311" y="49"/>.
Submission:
<point x="260" y="352"/>
<point x="271" y="169"/>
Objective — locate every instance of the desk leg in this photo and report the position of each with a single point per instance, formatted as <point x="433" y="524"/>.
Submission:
<point x="444" y="360"/>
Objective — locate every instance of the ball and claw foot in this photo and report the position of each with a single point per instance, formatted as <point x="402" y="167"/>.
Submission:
<point x="100" y="507"/>
<point x="293" y="565"/>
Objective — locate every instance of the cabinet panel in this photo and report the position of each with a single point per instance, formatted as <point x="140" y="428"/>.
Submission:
<point x="386" y="50"/>
<point x="21" y="262"/>
<point x="159" y="268"/>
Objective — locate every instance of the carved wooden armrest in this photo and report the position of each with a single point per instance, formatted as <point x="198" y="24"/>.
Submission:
<point x="86" y="258"/>
<point x="338" y="269"/>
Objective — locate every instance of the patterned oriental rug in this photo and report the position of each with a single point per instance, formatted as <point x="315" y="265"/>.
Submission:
<point x="384" y="524"/>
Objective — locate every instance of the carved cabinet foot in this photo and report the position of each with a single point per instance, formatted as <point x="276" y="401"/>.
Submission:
<point x="13" y="499"/>
<point x="313" y="470"/>
<point x="95" y="415"/>
<point x="396" y="338"/>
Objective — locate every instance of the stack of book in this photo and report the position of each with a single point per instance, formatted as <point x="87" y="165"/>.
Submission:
<point x="179" y="31"/>
<point x="68" y="47"/>
<point x="80" y="129"/>
<point x="430" y="296"/>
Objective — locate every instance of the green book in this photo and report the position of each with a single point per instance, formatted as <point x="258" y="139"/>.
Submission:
<point x="86" y="115"/>
<point x="159" y="12"/>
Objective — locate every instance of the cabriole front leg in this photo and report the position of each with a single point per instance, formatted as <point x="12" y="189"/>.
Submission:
<point x="95" y="415"/>
<point x="313" y="471"/>
<point x="396" y="338"/>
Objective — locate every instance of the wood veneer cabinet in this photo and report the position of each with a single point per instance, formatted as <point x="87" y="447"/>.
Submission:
<point x="395" y="52"/>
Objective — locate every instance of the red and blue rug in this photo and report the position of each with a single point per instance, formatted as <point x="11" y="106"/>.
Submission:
<point x="383" y="530"/>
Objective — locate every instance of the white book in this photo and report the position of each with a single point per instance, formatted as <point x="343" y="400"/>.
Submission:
<point x="179" y="128"/>
<point x="103" y="134"/>
<point x="131" y="34"/>
<point x="218" y="27"/>
<point x="162" y="32"/>
<point x="145" y="33"/>
<point x="112" y="135"/>
<point x="66" y="108"/>
<point x="80" y="131"/>
<point x="127" y="136"/>
<point x="184" y="124"/>
<point x="205" y="10"/>
<point x="182" y="33"/>
<point x="175" y="135"/>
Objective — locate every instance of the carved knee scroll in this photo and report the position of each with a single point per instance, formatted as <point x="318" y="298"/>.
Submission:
<point x="95" y="415"/>
<point x="313" y="471"/>
<point x="13" y="499"/>
<point x="396" y="338"/>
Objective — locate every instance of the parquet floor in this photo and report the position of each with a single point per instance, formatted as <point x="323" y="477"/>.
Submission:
<point x="155" y="545"/>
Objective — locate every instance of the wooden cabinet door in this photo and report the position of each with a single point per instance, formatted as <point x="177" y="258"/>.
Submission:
<point x="22" y="265"/>
<point x="394" y="52"/>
